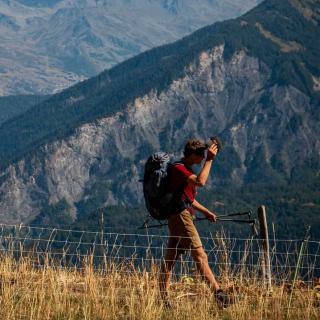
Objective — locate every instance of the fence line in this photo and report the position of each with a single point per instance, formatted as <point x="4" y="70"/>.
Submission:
<point x="20" y="227"/>
<point x="68" y="248"/>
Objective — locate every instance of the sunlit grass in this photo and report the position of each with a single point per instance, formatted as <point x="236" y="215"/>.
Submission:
<point x="123" y="292"/>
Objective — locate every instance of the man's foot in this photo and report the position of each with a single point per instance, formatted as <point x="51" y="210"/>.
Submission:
<point x="224" y="299"/>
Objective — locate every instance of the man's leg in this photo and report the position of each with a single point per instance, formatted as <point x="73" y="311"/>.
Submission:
<point x="201" y="259"/>
<point x="166" y="271"/>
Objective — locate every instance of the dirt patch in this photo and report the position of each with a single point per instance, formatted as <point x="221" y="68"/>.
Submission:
<point x="304" y="8"/>
<point x="285" y="46"/>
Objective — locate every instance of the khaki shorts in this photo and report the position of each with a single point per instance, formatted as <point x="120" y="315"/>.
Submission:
<point x="183" y="234"/>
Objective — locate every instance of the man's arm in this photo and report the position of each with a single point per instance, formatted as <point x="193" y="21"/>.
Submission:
<point x="202" y="177"/>
<point x="206" y="212"/>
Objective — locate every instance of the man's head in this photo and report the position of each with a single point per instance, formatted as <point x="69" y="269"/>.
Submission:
<point x="195" y="149"/>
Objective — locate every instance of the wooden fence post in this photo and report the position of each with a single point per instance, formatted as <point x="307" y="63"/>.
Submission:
<point x="264" y="236"/>
<point x="102" y="227"/>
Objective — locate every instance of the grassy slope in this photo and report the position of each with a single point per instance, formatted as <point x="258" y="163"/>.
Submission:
<point x="119" y="291"/>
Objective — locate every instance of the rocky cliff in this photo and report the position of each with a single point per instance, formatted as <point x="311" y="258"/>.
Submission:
<point x="269" y="127"/>
<point x="112" y="150"/>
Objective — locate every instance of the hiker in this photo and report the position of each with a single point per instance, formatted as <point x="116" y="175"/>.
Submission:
<point x="183" y="234"/>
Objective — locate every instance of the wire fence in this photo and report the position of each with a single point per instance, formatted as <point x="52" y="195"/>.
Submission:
<point x="228" y="256"/>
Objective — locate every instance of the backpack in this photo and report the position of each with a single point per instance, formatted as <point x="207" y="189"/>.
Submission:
<point x="159" y="201"/>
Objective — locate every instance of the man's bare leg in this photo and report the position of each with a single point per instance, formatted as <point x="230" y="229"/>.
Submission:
<point x="201" y="259"/>
<point x="166" y="271"/>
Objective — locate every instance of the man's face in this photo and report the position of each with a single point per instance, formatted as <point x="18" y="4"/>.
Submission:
<point x="198" y="159"/>
<point x="199" y="155"/>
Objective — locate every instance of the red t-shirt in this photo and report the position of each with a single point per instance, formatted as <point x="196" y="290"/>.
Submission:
<point x="178" y="184"/>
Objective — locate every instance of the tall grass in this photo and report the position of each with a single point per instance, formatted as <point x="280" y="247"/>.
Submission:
<point x="114" y="290"/>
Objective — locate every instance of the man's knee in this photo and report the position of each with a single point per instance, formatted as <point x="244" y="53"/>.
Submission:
<point x="199" y="255"/>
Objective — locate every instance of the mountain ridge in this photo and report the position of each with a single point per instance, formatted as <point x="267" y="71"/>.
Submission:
<point x="51" y="47"/>
<point x="227" y="80"/>
<point x="127" y="86"/>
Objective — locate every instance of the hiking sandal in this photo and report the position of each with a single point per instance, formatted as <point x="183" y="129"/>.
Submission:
<point x="224" y="299"/>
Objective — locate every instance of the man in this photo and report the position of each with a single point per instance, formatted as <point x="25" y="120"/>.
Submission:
<point x="183" y="235"/>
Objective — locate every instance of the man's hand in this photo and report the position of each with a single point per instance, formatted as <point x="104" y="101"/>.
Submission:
<point x="212" y="151"/>
<point x="206" y="212"/>
<point x="211" y="216"/>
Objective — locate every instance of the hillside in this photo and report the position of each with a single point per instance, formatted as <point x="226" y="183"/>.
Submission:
<point x="252" y="80"/>
<point x="49" y="45"/>
<point x="156" y="69"/>
<point x="12" y="106"/>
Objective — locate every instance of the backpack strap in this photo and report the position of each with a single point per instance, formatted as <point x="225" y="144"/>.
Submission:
<point x="187" y="204"/>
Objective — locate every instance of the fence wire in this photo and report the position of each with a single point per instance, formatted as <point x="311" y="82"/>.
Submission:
<point x="228" y="257"/>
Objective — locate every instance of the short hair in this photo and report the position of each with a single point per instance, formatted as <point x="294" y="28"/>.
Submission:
<point x="194" y="146"/>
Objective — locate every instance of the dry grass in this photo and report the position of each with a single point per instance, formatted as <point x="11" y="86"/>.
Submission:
<point x="122" y="292"/>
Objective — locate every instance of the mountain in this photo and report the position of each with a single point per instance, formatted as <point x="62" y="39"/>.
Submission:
<point x="12" y="106"/>
<point x="46" y="46"/>
<point x="253" y="81"/>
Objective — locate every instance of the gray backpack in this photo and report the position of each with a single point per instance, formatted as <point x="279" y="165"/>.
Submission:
<point x="160" y="202"/>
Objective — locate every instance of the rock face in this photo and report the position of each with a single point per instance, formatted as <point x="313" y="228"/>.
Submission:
<point x="253" y="81"/>
<point x="214" y="97"/>
<point x="46" y="46"/>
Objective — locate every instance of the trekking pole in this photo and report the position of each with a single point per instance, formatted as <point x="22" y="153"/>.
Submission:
<point x="251" y="222"/>
<point x="219" y="218"/>
<point x="226" y="220"/>
<point x="146" y="226"/>
<point x="224" y="217"/>
<point x="245" y="213"/>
